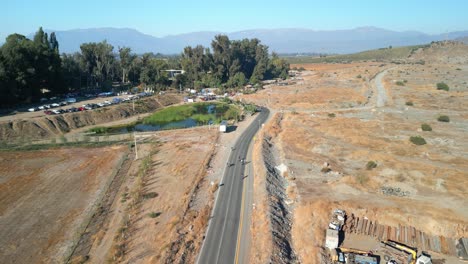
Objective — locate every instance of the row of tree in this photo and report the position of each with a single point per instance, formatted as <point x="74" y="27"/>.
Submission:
<point x="232" y="62"/>
<point x="28" y="68"/>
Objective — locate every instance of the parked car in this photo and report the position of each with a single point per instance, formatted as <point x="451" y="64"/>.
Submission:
<point x="55" y="105"/>
<point x="71" y="100"/>
<point x="63" y="103"/>
<point x="73" y="109"/>
<point x="81" y="108"/>
<point x="47" y="106"/>
<point x="33" y="109"/>
<point x="48" y="112"/>
<point x="41" y="107"/>
<point x="55" y="111"/>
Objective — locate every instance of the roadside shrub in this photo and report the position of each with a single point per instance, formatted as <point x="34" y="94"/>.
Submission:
<point x="409" y="103"/>
<point x="442" y="86"/>
<point x="371" y="164"/>
<point x="400" y="83"/>
<point x="418" y="140"/>
<point x="331" y="115"/>
<point x="443" y="118"/>
<point x="301" y="69"/>
<point x="150" y="195"/>
<point x="362" y="179"/>
<point x="458" y="69"/>
<point x="154" y="214"/>
<point x="426" y="127"/>
<point x="359" y="76"/>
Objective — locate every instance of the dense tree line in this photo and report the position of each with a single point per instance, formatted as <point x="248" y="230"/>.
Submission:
<point x="28" y="68"/>
<point x="233" y="63"/>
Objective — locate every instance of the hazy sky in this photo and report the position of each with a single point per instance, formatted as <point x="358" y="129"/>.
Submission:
<point x="160" y="18"/>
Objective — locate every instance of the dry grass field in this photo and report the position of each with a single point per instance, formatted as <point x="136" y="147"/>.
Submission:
<point x="330" y="116"/>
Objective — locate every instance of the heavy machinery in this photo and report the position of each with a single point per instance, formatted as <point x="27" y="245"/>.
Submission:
<point x="395" y="252"/>
<point x="353" y="256"/>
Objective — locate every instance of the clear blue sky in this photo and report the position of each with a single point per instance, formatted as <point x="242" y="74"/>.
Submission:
<point x="160" y="18"/>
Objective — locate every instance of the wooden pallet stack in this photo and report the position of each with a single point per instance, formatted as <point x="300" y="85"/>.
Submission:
<point x="408" y="235"/>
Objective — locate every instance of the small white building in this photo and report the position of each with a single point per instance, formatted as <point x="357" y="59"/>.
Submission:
<point x="223" y="126"/>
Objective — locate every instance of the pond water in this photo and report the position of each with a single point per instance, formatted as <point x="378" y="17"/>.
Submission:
<point x="189" y="122"/>
<point x="140" y="127"/>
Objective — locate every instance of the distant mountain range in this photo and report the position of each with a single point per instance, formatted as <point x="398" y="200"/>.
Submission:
<point x="288" y="40"/>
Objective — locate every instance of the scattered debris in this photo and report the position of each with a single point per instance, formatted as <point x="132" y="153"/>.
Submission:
<point x="394" y="191"/>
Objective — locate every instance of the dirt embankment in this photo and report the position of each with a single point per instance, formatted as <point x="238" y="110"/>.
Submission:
<point x="280" y="214"/>
<point x="49" y="126"/>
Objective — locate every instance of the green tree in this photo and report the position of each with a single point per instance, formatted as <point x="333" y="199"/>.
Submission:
<point x="238" y="80"/>
<point x="278" y="67"/>
<point x="126" y="61"/>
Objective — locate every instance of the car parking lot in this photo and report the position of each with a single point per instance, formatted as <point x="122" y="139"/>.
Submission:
<point x="69" y="105"/>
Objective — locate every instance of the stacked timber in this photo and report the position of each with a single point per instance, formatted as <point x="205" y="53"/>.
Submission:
<point x="408" y="235"/>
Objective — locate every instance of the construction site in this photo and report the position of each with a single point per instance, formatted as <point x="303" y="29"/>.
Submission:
<point x="340" y="137"/>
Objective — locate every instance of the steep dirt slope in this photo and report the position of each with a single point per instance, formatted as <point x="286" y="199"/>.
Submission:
<point x="44" y="127"/>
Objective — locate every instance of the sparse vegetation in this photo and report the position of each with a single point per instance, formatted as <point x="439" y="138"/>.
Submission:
<point x="359" y="76"/>
<point x="400" y="83"/>
<point x="443" y="118"/>
<point x="409" y="103"/>
<point x="361" y="179"/>
<point x="331" y="115"/>
<point x="371" y="165"/>
<point x="418" y="140"/>
<point x="154" y="214"/>
<point x="150" y="195"/>
<point x="377" y="54"/>
<point x="442" y="86"/>
<point x="426" y="127"/>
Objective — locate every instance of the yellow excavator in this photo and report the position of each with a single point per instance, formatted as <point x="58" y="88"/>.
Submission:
<point x="395" y="252"/>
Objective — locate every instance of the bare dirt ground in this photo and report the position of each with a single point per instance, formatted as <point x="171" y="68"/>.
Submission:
<point x="174" y="174"/>
<point x="46" y="195"/>
<point x="332" y="117"/>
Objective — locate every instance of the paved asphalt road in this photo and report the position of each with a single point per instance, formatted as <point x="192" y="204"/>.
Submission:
<point x="220" y="242"/>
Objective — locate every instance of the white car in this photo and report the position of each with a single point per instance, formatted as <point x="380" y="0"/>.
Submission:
<point x="100" y="104"/>
<point x="55" y="111"/>
<point x="32" y="109"/>
<point x="55" y="105"/>
<point x="41" y="107"/>
<point x="107" y="102"/>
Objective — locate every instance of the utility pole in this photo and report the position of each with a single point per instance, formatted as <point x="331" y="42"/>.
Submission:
<point x="136" y="149"/>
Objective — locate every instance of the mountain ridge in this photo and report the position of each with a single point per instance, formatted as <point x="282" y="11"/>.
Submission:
<point x="280" y="40"/>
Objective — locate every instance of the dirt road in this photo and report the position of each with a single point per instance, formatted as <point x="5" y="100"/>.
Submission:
<point x="382" y="97"/>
